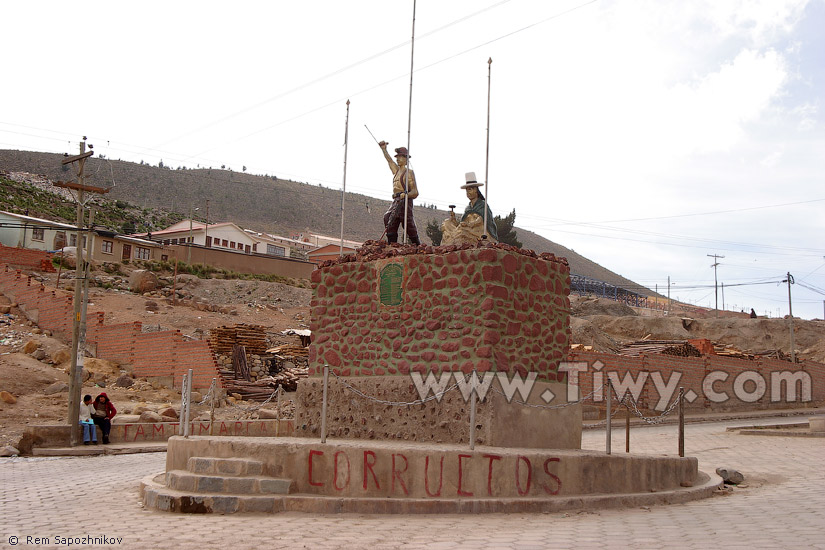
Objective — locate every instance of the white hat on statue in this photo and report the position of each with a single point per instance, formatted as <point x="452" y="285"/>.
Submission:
<point x="470" y="179"/>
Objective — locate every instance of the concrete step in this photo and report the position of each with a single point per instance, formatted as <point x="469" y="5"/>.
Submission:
<point x="224" y="466"/>
<point x="154" y="494"/>
<point x="170" y="500"/>
<point x="181" y="480"/>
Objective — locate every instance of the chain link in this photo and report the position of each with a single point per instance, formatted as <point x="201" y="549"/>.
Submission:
<point x="253" y="408"/>
<point x="207" y="396"/>
<point x="612" y="414"/>
<point x="652" y="419"/>
<point x="560" y="406"/>
<point x="394" y="403"/>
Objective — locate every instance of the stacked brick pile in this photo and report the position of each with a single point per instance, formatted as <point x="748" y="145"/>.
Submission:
<point x="460" y="307"/>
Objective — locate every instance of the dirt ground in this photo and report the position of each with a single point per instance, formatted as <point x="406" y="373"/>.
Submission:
<point x="275" y="306"/>
<point x="603" y="324"/>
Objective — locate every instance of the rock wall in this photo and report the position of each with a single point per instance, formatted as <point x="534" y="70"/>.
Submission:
<point x="430" y="309"/>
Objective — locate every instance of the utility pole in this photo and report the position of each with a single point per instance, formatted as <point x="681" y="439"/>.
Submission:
<point x="668" y="294"/>
<point x="80" y="286"/>
<point x="189" y="248"/>
<point x="206" y="229"/>
<point x="723" y="295"/>
<point x="790" y="281"/>
<point x="715" y="283"/>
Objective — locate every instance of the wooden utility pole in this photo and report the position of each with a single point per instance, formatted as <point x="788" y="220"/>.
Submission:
<point x="790" y="281"/>
<point x="715" y="280"/>
<point x="81" y="286"/>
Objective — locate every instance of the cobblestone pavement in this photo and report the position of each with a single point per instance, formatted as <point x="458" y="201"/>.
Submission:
<point x="782" y="506"/>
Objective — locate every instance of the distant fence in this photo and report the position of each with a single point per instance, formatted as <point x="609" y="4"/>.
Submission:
<point x="25" y="257"/>
<point x="711" y="382"/>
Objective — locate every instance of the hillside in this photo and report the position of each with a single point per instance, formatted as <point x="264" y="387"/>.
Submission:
<point x="263" y="203"/>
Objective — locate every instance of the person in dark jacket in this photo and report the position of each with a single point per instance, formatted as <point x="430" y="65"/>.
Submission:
<point x="103" y="414"/>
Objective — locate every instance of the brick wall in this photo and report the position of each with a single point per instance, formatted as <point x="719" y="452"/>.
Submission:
<point x="25" y="257"/>
<point x="710" y="382"/>
<point x="151" y="354"/>
<point x="458" y="308"/>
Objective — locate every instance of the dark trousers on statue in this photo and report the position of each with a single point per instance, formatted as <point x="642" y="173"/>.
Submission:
<point x="395" y="218"/>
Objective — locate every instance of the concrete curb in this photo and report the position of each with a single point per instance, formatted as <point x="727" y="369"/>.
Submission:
<point x="98" y="450"/>
<point x="635" y="422"/>
<point x="155" y="494"/>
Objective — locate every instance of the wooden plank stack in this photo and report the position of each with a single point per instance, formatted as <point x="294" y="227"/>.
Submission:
<point x="252" y="337"/>
<point x="262" y="388"/>
<point x="648" y="347"/>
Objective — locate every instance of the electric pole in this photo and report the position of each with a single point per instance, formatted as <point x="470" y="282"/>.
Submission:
<point x="790" y="281"/>
<point x="81" y="287"/>
<point x="723" y="295"/>
<point x="715" y="280"/>
<point x="668" y="294"/>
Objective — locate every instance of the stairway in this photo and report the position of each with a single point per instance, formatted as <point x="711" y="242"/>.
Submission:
<point x="219" y="486"/>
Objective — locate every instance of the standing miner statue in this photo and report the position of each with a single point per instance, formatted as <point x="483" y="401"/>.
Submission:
<point x="404" y="191"/>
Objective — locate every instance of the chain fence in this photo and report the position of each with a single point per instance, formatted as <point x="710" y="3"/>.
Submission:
<point x="626" y="401"/>
<point x="394" y="403"/>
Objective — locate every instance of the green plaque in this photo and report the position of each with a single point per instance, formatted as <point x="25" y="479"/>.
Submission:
<point x="390" y="288"/>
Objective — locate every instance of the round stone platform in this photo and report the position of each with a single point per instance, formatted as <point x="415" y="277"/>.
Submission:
<point x="228" y="475"/>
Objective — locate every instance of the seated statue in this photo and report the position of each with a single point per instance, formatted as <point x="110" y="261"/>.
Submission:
<point x="470" y="228"/>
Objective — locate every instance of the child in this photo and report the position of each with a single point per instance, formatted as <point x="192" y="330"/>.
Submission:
<point x="89" y="427"/>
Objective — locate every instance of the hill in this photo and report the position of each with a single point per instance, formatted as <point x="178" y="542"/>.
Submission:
<point x="264" y="203"/>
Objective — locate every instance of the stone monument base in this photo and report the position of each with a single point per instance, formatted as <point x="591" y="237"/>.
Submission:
<point x="499" y="423"/>
<point x="234" y="474"/>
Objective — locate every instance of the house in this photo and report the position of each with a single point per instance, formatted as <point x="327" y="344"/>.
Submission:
<point x="108" y="246"/>
<point x="328" y="252"/>
<point x="317" y="241"/>
<point x="224" y="235"/>
<point x="22" y="231"/>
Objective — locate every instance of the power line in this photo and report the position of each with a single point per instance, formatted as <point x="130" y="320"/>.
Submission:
<point x="331" y="74"/>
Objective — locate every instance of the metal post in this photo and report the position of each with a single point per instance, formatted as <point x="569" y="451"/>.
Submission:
<point x="409" y="127"/>
<point x="278" y="424"/>
<point x="487" y="160"/>
<point x="344" y="185"/>
<point x="609" y="404"/>
<point x="182" y="404"/>
<point x="175" y="284"/>
<point x="213" y="389"/>
<point x="681" y="421"/>
<point x="627" y="430"/>
<point x="188" y="391"/>
<point x="324" y="406"/>
<point x="473" y="411"/>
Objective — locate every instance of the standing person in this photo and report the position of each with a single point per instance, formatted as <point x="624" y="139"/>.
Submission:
<point x="89" y="428"/>
<point x="404" y="190"/>
<point x="104" y="411"/>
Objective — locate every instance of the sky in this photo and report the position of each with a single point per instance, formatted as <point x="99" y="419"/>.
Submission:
<point x="644" y="135"/>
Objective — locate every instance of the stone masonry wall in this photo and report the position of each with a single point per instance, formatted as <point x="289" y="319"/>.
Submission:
<point x="441" y="309"/>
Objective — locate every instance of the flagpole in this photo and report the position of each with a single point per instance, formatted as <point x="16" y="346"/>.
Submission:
<point x="487" y="160"/>
<point x="409" y="124"/>
<point x="344" y="186"/>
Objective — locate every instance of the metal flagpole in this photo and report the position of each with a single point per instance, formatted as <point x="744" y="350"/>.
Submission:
<point x="487" y="161"/>
<point x="409" y="124"/>
<point x="344" y="187"/>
